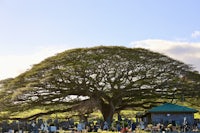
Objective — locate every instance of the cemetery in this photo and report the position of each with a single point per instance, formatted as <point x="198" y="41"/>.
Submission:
<point x="107" y="80"/>
<point x="167" y="117"/>
<point x="99" y="66"/>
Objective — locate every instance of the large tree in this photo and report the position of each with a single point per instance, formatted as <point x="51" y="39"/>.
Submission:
<point x="109" y="79"/>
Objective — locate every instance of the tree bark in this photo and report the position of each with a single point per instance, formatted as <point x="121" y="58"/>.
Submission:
<point x="108" y="111"/>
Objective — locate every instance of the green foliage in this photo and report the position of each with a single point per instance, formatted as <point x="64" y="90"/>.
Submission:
<point x="109" y="79"/>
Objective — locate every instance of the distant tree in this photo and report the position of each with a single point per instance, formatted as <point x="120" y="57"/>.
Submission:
<point x="109" y="79"/>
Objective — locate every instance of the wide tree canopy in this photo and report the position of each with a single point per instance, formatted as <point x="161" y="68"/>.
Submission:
<point x="109" y="79"/>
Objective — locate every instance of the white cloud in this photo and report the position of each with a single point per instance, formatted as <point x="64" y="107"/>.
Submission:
<point x="195" y="34"/>
<point x="188" y="52"/>
<point x="13" y="65"/>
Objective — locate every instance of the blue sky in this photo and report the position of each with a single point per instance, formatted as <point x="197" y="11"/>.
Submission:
<point x="31" y="30"/>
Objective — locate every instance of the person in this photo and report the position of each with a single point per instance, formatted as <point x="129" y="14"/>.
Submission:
<point x="124" y="130"/>
<point x="133" y="126"/>
<point x="96" y="127"/>
<point x="118" y="126"/>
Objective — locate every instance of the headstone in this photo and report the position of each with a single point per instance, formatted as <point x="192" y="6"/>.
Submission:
<point x="105" y="126"/>
<point x="49" y="121"/>
<point x="53" y="129"/>
<point x="40" y="122"/>
<point x="14" y="125"/>
<point x="71" y="122"/>
<point x="79" y="127"/>
<point x="5" y="126"/>
<point x="56" y="123"/>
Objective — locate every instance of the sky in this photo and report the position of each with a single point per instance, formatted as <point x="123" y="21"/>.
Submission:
<point x="32" y="30"/>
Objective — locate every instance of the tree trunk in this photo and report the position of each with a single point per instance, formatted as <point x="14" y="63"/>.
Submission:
<point x="107" y="111"/>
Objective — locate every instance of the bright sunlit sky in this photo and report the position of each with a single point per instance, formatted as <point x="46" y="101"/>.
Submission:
<point x="32" y="30"/>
